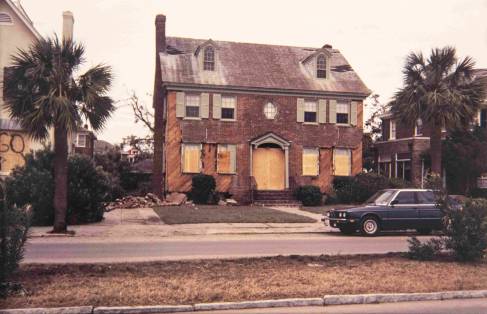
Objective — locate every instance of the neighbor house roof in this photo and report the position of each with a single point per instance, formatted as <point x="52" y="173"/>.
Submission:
<point x="256" y="66"/>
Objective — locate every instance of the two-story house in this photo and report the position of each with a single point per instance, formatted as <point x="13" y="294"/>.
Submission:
<point x="16" y="32"/>
<point x="400" y="151"/>
<point x="254" y="116"/>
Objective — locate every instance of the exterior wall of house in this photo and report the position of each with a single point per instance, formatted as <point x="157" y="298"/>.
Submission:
<point x="250" y="124"/>
<point x="88" y="149"/>
<point x="14" y="143"/>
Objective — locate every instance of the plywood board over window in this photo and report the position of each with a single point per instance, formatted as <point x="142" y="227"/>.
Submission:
<point x="227" y="156"/>
<point x="311" y="162"/>
<point x="342" y="162"/>
<point x="191" y="158"/>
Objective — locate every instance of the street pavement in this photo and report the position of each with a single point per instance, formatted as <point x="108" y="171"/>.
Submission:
<point x="110" y="250"/>
<point x="465" y="306"/>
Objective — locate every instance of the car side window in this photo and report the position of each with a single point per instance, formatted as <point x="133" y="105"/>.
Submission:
<point x="427" y="197"/>
<point x="405" y="197"/>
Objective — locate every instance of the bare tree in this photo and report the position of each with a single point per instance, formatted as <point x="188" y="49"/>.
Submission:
<point x="141" y="112"/>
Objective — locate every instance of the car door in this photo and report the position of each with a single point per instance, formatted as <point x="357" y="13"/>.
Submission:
<point x="403" y="211"/>
<point x="429" y="213"/>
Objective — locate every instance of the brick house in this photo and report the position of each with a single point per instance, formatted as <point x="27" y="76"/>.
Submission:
<point x="256" y="117"/>
<point x="399" y="152"/>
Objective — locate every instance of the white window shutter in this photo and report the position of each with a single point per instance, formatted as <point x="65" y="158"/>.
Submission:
<point x="180" y="105"/>
<point x="217" y="106"/>
<point x="333" y="111"/>
<point x="205" y="105"/>
<point x="353" y="113"/>
<point x="300" y="110"/>
<point x="322" y="111"/>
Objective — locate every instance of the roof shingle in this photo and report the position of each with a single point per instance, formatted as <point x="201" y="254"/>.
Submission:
<point x="259" y="66"/>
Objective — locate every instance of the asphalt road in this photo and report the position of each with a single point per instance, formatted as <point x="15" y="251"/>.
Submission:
<point x="468" y="306"/>
<point x="73" y="250"/>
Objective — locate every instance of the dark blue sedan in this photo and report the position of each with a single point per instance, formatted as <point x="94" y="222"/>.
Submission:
<point x="393" y="209"/>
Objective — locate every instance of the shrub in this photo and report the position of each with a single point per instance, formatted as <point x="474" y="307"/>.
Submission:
<point x="309" y="195"/>
<point x="359" y="188"/>
<point x="14" y="226"/>
<point x="478" y="193"/>
<point x="424" y="251"/>
<point x="466" y="230"/>
<point x="202" y="188"/>
<point x="88" y="188"/>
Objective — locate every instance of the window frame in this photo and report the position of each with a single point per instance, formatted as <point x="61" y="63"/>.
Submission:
<point x="321" y="64"/>
<point x="350" y="161"/>
<point x="189" y="95"/>
<point x="392" y="129"/>
<point x="276" y="111"/>
<point x="232" y="171"/>
<point x="209" y="59"/>
<point x="315" y="150"/>
<point x="85" y="136"/>
<point x="309" y="102"/>
<point x="405" y="204"/>
<point x="222" y="106"/>
<point x="342" y="103"/>
<point x="416" y="129"/>
<point x="183" y="150"/>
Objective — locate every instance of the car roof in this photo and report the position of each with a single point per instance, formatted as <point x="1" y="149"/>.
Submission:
<point x="410" y="190"/>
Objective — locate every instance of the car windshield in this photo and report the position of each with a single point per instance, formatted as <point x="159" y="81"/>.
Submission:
<point x="381" y="197"/>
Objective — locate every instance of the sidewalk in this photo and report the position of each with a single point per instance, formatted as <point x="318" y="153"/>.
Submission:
<point x="144" y="222"/>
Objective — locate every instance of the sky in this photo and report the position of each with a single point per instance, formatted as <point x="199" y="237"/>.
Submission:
<point x="374" y="35"/>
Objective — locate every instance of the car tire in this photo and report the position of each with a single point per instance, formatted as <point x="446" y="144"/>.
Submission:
<point x="347" y="230"/>
<point x="424" y="231"/>
<point x="370" y="226"/>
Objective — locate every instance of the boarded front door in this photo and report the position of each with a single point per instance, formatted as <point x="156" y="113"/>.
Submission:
<point x="268" y="168"/>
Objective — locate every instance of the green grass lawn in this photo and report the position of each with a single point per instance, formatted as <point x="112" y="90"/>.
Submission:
<point x="323" y="209"/>
<point x="173" y="215"/>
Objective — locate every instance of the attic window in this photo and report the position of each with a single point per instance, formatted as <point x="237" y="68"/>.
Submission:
<point x="321" y="66"/>
<point x="5" y="19"/>
<point x="209" y="59"/>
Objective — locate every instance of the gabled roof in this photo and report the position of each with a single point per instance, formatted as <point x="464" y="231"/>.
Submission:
<point x="256" y="66"/>
<point x="20" y="12"/>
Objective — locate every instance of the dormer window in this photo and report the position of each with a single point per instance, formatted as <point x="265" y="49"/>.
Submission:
<point x="209" y="59"/>
<point x="321" y="66"/>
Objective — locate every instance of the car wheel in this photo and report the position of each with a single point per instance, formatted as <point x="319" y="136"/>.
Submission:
<point x="424" y="231"/>
<point x="370" y="226"/>
<point x="347" y="230"/>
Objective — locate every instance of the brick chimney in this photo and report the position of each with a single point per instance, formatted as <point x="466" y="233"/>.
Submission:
<point x="68" y="22"/>
<point x="160" y="33"/>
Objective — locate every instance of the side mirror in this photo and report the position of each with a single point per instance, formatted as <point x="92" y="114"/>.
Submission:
<point x="394" y="202"/>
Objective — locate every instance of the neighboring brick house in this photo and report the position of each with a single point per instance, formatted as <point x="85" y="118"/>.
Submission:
<point x="400" y="150"/>
<point x="83" y="142"/>
<point x="254" y="116"/>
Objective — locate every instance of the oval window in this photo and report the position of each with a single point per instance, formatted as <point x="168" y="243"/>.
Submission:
<point x="270" y="110"/>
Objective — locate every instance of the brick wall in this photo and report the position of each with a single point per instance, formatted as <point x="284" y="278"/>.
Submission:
<point x="251" y="123"/>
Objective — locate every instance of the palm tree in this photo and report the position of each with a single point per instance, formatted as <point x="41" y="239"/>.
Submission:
<point x="442" y="91"/>
<point x="42" y="93"/>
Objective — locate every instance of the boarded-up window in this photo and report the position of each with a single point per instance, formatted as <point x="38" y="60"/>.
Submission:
<point x="311" y="162"/>
<point x="227" y="157"/>
<point x="342" y="162"/>
<point x="191" y="158"/>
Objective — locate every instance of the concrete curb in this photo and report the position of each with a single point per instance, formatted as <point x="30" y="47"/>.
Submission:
<point x="56" y="310"/>
<point x="326" y="300"/>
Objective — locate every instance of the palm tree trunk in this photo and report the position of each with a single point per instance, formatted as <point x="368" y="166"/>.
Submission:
<point x="435" y="144"/>
<point x="60" y="179"/>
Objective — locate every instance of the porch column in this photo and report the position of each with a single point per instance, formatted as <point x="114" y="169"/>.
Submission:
<point x="286" y="161"/>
